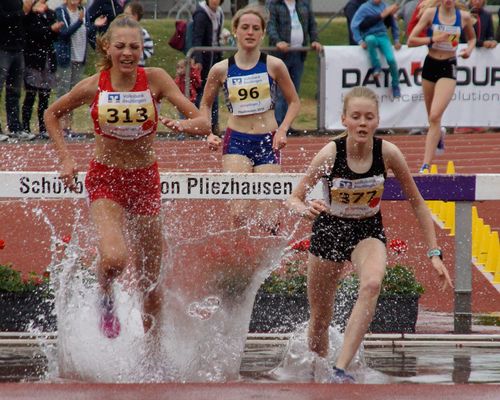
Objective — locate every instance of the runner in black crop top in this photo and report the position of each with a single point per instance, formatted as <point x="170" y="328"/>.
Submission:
<point x="348" y="225"/>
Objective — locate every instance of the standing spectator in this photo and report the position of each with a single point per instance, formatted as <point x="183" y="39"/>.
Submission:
<point x="208" y="21"/>
<point x="483" y="25"/>
<point x="136" y="11"/>
<point x="12" y="62"/>
<point x="376" y="37"/>
<point x="71" y="48"/>
<point x="100" y="14"/>
<point x="407" y="11"/>
<point x="41" y="28"/>
<point x="421" y="6"/>
<point x="194" y="79"/>
<point x="349" y="10"/>
<point x="291" y="24"/>
<point x="497" y="35"/>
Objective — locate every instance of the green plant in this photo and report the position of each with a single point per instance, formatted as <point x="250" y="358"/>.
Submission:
<point x="12" y="280"/>
<point x="398" y="280"/>
<point x="292" y="281"/>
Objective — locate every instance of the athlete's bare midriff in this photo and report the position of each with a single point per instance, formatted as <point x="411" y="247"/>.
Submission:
<point x="125" y="154"/>
<point x="253" y="124"/>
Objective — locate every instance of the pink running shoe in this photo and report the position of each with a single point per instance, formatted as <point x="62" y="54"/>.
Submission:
<point x="109" y="322"/>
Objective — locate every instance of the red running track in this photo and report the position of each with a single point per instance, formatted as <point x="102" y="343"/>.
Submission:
<point x="245" y="391"/>
<point x="471" y="154"/>
<point x="27" y="244"/>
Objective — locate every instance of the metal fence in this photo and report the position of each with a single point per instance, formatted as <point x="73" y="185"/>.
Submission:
<point x="320" y="73"/>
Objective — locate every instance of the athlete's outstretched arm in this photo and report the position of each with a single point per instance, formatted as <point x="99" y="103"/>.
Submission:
<point x="164" y="87"/>
<point x="82" y="93"/>
<point x="397" y="163"/>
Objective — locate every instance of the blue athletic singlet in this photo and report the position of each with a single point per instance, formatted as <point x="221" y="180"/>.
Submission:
<point x="250" y="91"/>
<point x="453" y="32"/>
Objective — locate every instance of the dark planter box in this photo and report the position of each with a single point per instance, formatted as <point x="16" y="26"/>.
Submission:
<point x="278" y="313"/>
<point x="19" y="310"/>
<point x="394" y="313"/>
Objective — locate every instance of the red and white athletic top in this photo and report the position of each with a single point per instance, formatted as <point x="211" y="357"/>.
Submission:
<point x="124" y="115"/>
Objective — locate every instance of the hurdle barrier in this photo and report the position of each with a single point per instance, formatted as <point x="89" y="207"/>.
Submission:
<point x="462" y="189"/>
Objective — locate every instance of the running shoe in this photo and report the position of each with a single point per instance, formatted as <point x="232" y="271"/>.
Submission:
<point x="340" y="376"/>
<point x="424" y="169"/>
<point x="109" y="322"/>
<point x="440" y="145"/>
<point x="3" y="137"/>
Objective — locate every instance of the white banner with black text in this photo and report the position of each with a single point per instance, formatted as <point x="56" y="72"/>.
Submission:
<point x="475" y="102"/>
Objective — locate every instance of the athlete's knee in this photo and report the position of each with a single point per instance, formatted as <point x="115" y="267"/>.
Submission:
<point x="435" y="118"/>
<point x="113" y="261"/>
<point x="370" y="287"/>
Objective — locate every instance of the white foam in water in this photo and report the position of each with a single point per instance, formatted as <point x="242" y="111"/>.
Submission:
<point x="207" y="305"/>
<point x="210" y="282"/>
<point x="302" y="365"/>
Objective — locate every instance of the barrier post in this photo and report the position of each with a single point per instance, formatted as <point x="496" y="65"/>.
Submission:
<point x="463" y="274"/>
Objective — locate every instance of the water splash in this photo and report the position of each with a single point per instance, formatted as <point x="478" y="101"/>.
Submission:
<point x="211" y="273"/>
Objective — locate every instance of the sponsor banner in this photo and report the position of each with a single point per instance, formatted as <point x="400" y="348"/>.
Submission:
<point x="228" y="186"/>
<point x="47" y="185"/>
<point x="475" y="101"/>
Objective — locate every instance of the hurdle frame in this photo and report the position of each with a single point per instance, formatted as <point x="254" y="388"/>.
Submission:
<point x="461" y="188"/>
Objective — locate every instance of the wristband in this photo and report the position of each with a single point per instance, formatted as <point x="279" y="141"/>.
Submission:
<point x="435" y="253"/>
<point x="431" y="42"/>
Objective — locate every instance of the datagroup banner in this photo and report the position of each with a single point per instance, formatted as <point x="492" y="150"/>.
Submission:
<point x="475" y="102"/>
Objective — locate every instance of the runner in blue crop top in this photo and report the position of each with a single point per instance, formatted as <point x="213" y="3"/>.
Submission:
<point x="238" y="79"/>
<point x="439" y="73"/>
<point x="253" y="140"/>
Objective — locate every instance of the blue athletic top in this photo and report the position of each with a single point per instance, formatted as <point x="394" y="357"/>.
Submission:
<point x="249" y="91"/>
<point x="453" y="31"/>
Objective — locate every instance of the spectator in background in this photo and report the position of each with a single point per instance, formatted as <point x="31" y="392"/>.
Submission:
<point x="421" y="6"/>
<point x="497" y="35"/>
<point x="208" y="21"/>
<point x="71" y="49"/>
<point x="352" y="6"/>
<point x="194" y="78"/>
<point x="291" y="24"/>
<point x="349" y="10"/>
<point x="376" y="37"/>
<point x="483" y="25"/>
<point x="407" y="11"/>
<point x="100" y="14"/>
<point x="136" y="11"/>
<point x="12" y="13"/>
<point x="41" y="27"/>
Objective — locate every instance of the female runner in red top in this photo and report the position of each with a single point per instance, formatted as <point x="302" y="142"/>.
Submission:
<point x="123" y="180"/>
